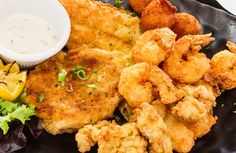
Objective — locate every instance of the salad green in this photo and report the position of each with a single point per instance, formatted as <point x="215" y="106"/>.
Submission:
<point x="11" y="111"/>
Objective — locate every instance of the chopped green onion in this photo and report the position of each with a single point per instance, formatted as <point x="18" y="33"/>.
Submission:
<point x="93" y="86"/>
<point x="130" y="62"/>
<point x="80" y="72"/>
<point x="117" y="118"/>
<point x="118" y="3"/>
<point x="41" y="97"/>
<point x="62" y="77"/>
<point x="222" y="90"/>
<point x="133" y="14"/>
<point x="77" y="68"/>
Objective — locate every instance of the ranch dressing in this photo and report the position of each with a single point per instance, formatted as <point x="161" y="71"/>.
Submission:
<point x="27" y="34"/>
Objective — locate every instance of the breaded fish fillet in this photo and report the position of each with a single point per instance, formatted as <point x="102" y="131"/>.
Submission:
<point x="67" y="108"/>
<point x="101" y="25"/>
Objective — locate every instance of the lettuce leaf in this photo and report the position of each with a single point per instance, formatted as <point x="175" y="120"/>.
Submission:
<point x="12" y="111"/>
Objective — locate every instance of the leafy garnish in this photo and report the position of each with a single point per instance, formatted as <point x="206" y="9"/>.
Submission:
<point x="12" y="111"/>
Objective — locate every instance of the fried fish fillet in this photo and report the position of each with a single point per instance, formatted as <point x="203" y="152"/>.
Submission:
<point x="101" y="25"/>
<point x="67" y="108"/>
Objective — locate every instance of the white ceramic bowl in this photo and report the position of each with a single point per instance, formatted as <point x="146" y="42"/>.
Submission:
<point x="50" y="10"/>
<point x="229" y="5"/>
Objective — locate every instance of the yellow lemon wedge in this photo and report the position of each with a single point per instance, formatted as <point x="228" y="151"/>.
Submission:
<point x="12" y="81"/>
<point x="10" y="68"/>
<point x="1" y="65"/>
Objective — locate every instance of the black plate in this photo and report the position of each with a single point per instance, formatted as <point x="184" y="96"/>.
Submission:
<point x="222" y="138"/>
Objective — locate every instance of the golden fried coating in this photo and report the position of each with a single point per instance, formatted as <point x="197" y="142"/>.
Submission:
<point x="189" y="109"/>
<point x="223" y="68"/>
<point x="134" y="85"/>
<point x="88" y="136"/>
<point x="182" y="138"/>
<point x="139" y="5"/>
<point x="164" y="86"/>
<point x="153" y="46"/>
<point x="202" y="91"/>
<point x="160" y="108"/>
<point x="231" y="46"/>
<point x="67" y="108"/>
<point x="111" y="138"/>
<point x="138" y="81"/>
<point x="186" y="24"/>
<point x="202" y="126"/>
<point x="158" y="14"/>
<point x="101" y="25"/>
<point x="154" y="129"/>
<point x="185" y="64"/>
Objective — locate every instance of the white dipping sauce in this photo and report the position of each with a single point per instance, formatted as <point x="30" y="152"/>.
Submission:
<point x="27" y="34"/>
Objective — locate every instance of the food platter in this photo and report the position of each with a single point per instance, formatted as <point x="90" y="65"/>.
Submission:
<point x="222" y="137"/>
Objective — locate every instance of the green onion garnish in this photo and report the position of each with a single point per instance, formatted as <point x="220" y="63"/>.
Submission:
<point x="80" y="72"/>
<point x="118" y="3"/>
<point x="130" y="62"/>
<point x="77" y="68"/>
<point x="117" y="118"/>
<point x="62" y="77"/>
<point x="41" y="97"/>
<point x="133" y="14"/>
<point x="222" y="90"/>
<point x="93" y="86"/>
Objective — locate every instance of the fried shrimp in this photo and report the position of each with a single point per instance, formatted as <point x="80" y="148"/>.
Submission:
<point x="185" y="64"/>
<point x="137" y="85"/>
<point x="153" y="46"/>
<point x="134" y="85"/>
<point x="139" y="5"/>
<point x="111" y="138"/>
<point x="167" y="91"/>
<point x="186" y="24"/>
<point x="158" y="14"/>
<point x="152" y="126"/>
<point x="223" y="67"/>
